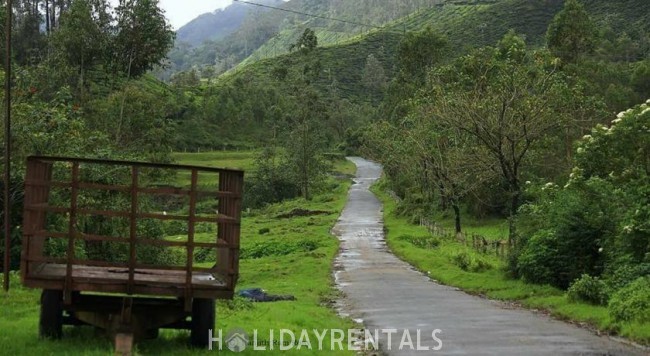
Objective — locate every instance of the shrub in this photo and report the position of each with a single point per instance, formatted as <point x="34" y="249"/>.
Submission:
<point x="275" y="247"/>
<point x="577" y="225"/>
<point x="204" y="254"/>
<point x="589" y="289"/>
<point x="481" y="265"/>
<point x="536" y="261"/>
<point x="632" y="303"/>
<point x="463" y="260"/>
<point x="426" y="242"/>
<point x="626" y="274"/>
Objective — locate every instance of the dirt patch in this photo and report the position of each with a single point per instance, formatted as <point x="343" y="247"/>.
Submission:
<point x="301" y="213"/>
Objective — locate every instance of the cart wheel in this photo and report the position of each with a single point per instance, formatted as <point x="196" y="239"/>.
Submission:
<point x="151" y="334"/>
<point x="203" y="318"/>
<point x="51" y="321"/>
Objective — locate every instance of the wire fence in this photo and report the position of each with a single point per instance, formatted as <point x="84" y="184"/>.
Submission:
<point x="478" y="242"/>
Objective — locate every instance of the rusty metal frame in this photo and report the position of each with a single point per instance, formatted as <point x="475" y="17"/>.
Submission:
<point x="37" y="187"/>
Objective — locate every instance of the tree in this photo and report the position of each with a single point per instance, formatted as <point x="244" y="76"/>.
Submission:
<point x="82" y="38"/>
<point x="506" y="103"/>
<point x="571" y="34"/>
<point x="374" y="76"/>
<point x="307" y="42"/>
<point x="304" y="146"/>
<point x="143" y="37"/>
<point x="418" y="52"/>
<point x="27" y="38"/>
<point x="446" y="165"/>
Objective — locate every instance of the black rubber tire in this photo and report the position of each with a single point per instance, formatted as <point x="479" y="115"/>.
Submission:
<point x="151" y="334"/>
<point x="50" y="324"/>
<point x="203" y="320"/>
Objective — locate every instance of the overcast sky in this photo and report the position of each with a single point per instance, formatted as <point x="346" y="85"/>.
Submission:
<point x="180" y="12"/>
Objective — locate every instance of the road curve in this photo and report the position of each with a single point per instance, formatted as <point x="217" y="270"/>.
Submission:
<point x="387" y="293"/>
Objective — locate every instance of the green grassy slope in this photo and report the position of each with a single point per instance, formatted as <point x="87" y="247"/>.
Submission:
<point x="468" y="24"/>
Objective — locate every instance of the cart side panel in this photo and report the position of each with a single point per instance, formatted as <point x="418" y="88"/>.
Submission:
<point x="228" y="257"/>
<point x="36" y="193"/>
<point x="125" y="272"/>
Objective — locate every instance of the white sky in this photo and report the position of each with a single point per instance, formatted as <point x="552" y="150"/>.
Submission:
<point x="180" y="12"/>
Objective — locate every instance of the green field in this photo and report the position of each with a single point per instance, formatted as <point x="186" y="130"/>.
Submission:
<point x="455" y="264"/>
<point x="283" y="256"/>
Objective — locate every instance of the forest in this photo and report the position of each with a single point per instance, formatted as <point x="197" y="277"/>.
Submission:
<point x="540" y="122"/>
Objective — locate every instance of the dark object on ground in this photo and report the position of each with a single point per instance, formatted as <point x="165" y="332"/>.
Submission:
<point x="259" y="295"/>
<point x="302" y="212"/>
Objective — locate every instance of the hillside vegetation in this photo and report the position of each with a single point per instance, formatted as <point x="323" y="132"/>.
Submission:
<point x="466" y="25"/>
<point x="275" y="30"/>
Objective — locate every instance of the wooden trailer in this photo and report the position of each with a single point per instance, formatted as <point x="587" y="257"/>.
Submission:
<point x="102" y="269"/>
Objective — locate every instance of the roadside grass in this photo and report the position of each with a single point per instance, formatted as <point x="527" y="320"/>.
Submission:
<point x="240" y="160"/>
<point x="452" y="263"/>
<point x="282" y="264"/>
<point x="243" y="160"/>
<point x="491" y="228"/>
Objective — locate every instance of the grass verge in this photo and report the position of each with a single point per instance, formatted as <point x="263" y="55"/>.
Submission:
<point x="454" y="264"/>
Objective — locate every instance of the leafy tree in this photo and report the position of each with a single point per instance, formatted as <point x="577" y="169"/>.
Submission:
<point x="374" y="76"/>
<point x="28" y="41"/>
<point x="418" y="52"/>
<point x="571" y="34"/>
<point x="307" y="42"/>
<point x="140" y="124"/>
<point x="508" y="104"/>
<point x="305" y="143"/>
<point x="641" y="78"/>
<point x="272" y="181"/>
<point x="80" y="38"/>
<point x="143" y="37"/>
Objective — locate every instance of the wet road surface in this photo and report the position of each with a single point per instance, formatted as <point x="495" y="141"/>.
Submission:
<point x="386" y="293"/>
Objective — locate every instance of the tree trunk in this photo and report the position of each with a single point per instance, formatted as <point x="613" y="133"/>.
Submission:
<point x="456" y="208"/>
<point x="47" y="16"/>
<point x="514" y="205"/>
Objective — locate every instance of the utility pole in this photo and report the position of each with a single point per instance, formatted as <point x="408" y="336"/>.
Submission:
<point x="7" y="158"/>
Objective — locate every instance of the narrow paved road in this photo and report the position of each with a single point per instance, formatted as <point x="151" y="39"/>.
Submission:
<point x="386" y="293"/>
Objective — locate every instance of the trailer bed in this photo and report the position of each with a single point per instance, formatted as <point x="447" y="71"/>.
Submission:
<point x="150" y="277"/>
<point x="84" y="232"/>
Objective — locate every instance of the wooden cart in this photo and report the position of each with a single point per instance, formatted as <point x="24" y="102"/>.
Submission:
<point x="129" y="295"/>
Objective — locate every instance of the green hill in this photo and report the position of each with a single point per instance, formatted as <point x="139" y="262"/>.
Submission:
<point x="467" y="24"/>
<point x="246" y="102"/>
<point x="270" y="33"/>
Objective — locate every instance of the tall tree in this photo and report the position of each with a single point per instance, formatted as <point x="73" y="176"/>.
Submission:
<point x="82" y="37"/>
<point x="571" y="34"/>
<point x="143" y="36"/>
<point x="374" y="76"/>
<point x="28" y="40"/>
<point x="418" y="52"/>
<point x="307" y="42"/>
<point x="508" y="104"/>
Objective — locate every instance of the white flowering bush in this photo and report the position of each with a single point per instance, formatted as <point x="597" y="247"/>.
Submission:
<point x="599" y="222"/>
<point x="620" y="156"/>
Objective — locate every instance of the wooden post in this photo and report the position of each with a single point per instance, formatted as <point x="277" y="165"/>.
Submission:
<point x="72" y="233"/>
<point x="133" y="229"/>
<point x="189" y="264"/>
<point x="123" y="344"/>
